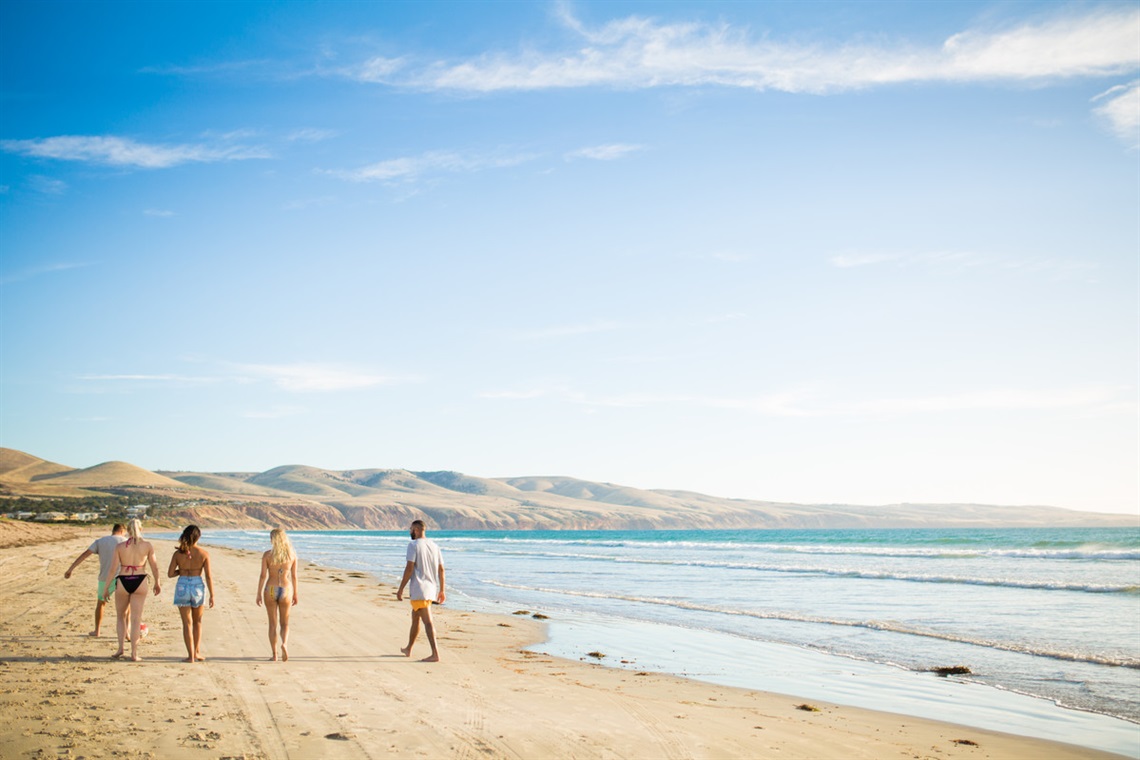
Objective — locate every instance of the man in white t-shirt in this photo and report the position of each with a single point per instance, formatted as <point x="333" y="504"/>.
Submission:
<point x="104" y="548"/>
<point x="425" y="571"/>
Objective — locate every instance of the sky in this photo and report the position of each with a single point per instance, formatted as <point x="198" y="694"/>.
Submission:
<point x="827" y="252"/>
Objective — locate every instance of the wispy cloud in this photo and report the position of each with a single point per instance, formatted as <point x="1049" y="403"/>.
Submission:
<point x="411" y="168"/>
<point x="296" y="377"/>
<point x="637" y="52"/>
<point x="311" y="135"/>
<point x="312" y="377"/>
<point x="43" y="269"/>
<point x="1120" y="109"/>
<point x="608" y="152"/>
<point x="158" y="212"/>
<point x="122" y="151"/>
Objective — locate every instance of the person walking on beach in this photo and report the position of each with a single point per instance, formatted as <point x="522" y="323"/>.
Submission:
<point x="425" y="571"/>
<point x="189" y="564"/>
<point x="104" y="548"/>
<point x="128" y="567"/>
<point x="277" y="589"/>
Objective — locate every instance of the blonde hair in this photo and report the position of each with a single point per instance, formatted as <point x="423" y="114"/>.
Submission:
<point x="282" y="552"/>
<point x="134" y="529"/>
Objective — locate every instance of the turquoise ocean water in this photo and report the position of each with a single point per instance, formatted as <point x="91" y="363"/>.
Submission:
<point x="1052" y="614"/>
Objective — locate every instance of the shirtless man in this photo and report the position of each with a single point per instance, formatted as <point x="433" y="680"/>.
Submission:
<point x="104" y="548"/>
<point x="425" y="571"/>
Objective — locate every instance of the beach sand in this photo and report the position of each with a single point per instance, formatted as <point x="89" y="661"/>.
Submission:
<point x="347" y="692"/>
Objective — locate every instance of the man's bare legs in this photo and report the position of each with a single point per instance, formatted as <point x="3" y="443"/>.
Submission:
<point x="98" y="618"/>
<point x="425" y="615"/>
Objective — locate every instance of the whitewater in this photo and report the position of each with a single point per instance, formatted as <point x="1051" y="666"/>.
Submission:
<point x="856" y="616"/>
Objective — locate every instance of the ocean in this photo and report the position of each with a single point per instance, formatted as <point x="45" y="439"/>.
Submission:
<point x="1046" y="620"/>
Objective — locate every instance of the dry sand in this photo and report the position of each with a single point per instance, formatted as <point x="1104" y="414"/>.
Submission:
<point x="347" y="692"/>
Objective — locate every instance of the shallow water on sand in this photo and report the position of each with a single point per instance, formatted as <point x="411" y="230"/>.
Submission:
<point x="1049" y="613"/>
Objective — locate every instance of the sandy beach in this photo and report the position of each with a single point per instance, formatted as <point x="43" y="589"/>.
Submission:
<point x="347" y="692"/>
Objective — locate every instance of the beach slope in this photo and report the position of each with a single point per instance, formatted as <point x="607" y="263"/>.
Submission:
<point x="347" y="692"/>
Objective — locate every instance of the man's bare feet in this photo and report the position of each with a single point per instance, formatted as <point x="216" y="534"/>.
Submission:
<point x="432" y="658"/>
<point x="407" y="651"/>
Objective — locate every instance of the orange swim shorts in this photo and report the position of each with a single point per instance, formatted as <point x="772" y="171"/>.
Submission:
<point x="420" y="604"/>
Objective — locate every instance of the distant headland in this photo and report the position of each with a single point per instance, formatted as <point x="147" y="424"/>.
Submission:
<point x="302" y="497"/>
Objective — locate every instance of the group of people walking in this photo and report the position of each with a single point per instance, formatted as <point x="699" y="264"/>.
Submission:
<point x="124" y="559"/>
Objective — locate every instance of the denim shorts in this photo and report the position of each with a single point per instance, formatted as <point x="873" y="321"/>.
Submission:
<point x="190" y="591"/>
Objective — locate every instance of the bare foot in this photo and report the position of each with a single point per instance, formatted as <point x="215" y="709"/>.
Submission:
<point x="273" y="658"/>
<point x="201" y="658"/>
<point x="407" y="651"/>
<point x="187" y="659"/>
<point x="136" y="658"/>
<point x="432" y="658"/>
<point x="284" y="653"/>
<point x="117" y="655"/>
<point x="94" y="634"/>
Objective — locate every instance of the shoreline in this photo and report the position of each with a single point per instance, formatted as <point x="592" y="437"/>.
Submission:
<point x="347" y="692"/>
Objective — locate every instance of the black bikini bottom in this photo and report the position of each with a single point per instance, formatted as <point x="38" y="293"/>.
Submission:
<point x="131" y="583"/>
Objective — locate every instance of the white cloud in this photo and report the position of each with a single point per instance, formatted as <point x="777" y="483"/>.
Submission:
<point x="161" y="213"/>
<point x="638" y="52"/>
<point x="410" y="168"/>
<point x="121" y="151"/>
<point x="309" y="377"/>
<point x="610" y="152"/>
<point x="1121" y="111"/>
<point x="311" y="135"/>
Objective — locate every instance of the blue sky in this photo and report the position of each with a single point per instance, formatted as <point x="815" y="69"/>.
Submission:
<point x="815" y="252"/>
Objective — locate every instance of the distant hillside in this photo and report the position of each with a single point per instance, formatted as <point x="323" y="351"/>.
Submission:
<point x="301" y="496"/>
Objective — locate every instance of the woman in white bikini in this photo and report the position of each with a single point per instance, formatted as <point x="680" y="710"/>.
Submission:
<point x="279" y="594"/>
<point x="189" y="564"/>
<point x="129" y="567"/>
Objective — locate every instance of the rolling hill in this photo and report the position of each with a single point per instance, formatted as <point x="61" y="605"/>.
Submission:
<point x="301" y="496"/>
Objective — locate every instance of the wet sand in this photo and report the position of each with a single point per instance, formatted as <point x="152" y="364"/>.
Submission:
<point x="347" y="692"/>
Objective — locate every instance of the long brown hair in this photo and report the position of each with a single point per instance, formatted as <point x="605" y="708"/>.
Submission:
<point x="189" y="537"/>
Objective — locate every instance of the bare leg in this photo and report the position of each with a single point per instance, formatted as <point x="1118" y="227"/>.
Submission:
<point x="412" y="633"/>
<point x="429" y="629"/>
<point x="271" y="611"/>
<point x="184" y="613"/>
<point x="122" y="605"/>
<point x="196" y="616"/>
<point x="98" y="617"/>
<point x="137" y="600"/>
<point x="283" y="609"/>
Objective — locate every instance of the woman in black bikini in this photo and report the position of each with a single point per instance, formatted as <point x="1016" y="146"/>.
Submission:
<point x="129" y="567"/>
